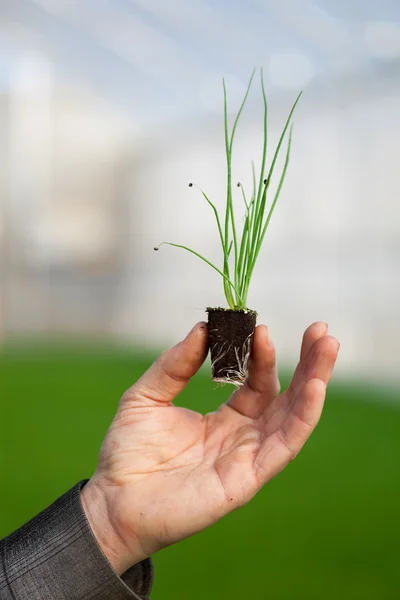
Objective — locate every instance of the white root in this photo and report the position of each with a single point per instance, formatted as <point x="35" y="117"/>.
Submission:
<point x="221" y="353"/>
<point x="236" y="374"/>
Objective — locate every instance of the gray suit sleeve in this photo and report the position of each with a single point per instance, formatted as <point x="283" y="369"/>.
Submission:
<point x="55" y="556"/>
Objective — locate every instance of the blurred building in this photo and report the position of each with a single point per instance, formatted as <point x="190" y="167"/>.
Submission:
<point x="64" y="224"/>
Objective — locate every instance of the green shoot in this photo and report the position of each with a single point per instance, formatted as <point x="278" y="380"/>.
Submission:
<point x="204" y="259"/>
<point x="246" y="248"/>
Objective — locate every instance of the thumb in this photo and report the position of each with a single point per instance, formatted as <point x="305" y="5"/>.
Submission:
<point x="171" y="372"/>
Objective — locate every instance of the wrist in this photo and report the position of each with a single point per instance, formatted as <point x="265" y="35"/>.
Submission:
<point x="96" y="506"/>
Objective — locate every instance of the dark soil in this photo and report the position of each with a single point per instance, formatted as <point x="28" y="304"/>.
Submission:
<point x="231" y="339"/>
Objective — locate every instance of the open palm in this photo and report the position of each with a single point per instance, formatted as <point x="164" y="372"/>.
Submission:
<point x="167" y="472"/>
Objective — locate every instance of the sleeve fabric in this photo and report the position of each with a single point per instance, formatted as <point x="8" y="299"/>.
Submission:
<point x="55" y="556"/>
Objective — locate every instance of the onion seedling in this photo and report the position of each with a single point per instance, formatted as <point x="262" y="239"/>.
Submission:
<point x="231" y="329"/>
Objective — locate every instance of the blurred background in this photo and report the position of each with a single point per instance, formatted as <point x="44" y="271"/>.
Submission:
<point x="107" y="110"/>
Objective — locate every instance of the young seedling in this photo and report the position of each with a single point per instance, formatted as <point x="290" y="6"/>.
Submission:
<point x="231" y="329"/>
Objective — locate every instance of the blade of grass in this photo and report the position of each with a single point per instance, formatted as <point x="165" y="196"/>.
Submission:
<point x="245" y="234"/>
<point x="244" y="196"/>
<point x="248" y="248"/>
<point x="265" y="144"/>
<point x="259" y="216"/>
<point x="281" y="139"/>
<point x="240" y="111"/>
<point x="265" y="227"/>
<point x="217" y="219"/>
<point x="227" y="289"/>
<point x="258" y="224"/>
<point x="261" y="193"/>
<point x="203" y="259"/>
<point x="278" y="191"/>
<point x="250" y="229"/>
<point x="229" y="145"/>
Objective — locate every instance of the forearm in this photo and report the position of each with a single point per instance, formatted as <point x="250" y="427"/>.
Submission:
<point x="57" y="557"/>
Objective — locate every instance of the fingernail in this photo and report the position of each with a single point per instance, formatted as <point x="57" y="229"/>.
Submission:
<point x="202" y="326"/>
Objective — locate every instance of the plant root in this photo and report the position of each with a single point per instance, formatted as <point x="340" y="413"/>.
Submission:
<point x="235" y="374"/>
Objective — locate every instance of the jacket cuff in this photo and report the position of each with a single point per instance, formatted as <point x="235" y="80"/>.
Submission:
<point x="56" y="556"/>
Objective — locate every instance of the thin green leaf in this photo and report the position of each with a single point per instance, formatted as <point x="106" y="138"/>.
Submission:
<point x="230" y="211"/>
<point x="204" y="259"/>
<point x="240" y="110"/>
<point x="228" y="206"/>
<point x="243" y="246"/>
<point x="227" y="288"/>
<point x="216" y="217"/>
<point x="281" y="139"/>
<point x="249" y="237"/>
<point x="258" y="228"/>
<point x="265" y="144"/>
<point x="244" y="196"/>
<point x="278" y="191"/>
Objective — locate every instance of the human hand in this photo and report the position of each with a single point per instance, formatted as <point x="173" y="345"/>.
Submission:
<point x="166" y="472"/>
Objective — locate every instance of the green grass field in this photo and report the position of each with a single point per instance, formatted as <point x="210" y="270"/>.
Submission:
<point x="326" y="528"/>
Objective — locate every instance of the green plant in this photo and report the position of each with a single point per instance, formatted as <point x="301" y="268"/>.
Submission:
<point x="247" y="246"/>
